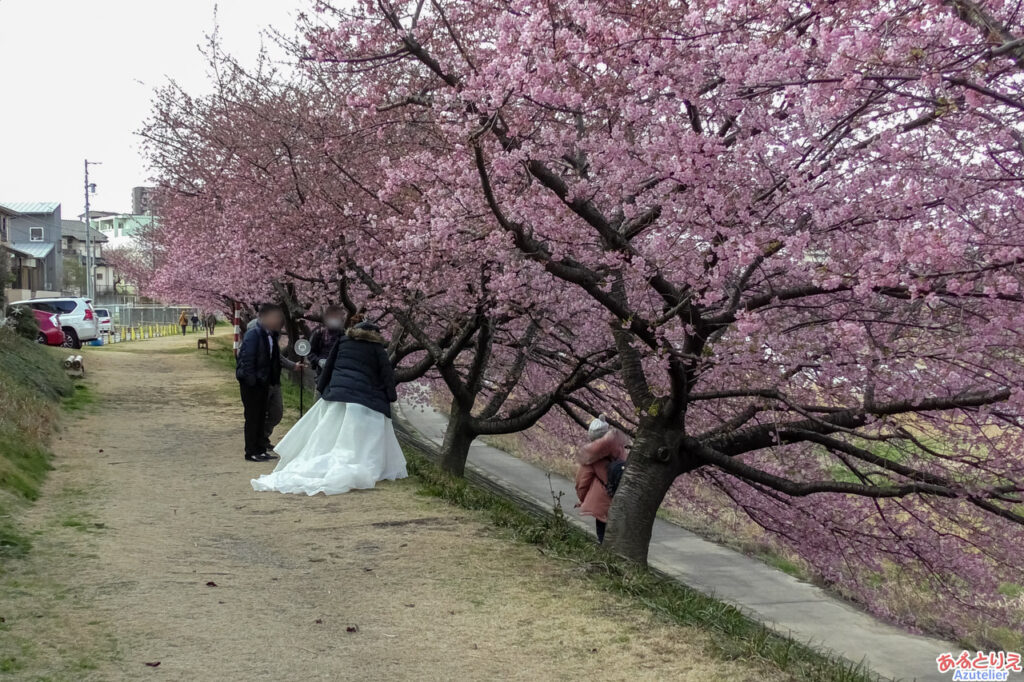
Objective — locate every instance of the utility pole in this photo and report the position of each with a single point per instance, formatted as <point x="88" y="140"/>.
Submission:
<point x="90" y="277"/>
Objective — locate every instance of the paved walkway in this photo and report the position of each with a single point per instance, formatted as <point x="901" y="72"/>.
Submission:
<point x="804" y="611"/>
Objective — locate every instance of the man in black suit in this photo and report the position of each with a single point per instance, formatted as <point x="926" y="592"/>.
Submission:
<point x="258" y="370"/>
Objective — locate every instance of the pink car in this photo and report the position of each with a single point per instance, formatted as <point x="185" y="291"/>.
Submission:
<point x="49" y="328"/>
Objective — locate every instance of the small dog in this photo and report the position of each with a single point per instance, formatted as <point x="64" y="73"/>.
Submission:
<point x="203" y="343"/>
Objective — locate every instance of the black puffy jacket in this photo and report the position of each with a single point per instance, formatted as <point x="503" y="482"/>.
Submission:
<point x="359" y="371"/>
<point x="259" y="359"/>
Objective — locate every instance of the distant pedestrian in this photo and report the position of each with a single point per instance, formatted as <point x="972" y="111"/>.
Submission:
<point x="195" y="322"/>
<point x="211" y="322"/>
<point x="183" y="323"/>
<point x="607" y="446"/>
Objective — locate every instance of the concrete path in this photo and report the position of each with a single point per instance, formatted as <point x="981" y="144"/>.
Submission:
<point x="805" y="612"/>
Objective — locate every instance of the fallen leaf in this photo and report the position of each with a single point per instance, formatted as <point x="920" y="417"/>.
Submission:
<point x="352" y="628"/>
<point x="319" y="621"/>
<point x="101" y="449"/>
<point x="410" y="605"/>
<point x="211" y="584"/>
<point x="153" y="664"/>
<point x="367" y="569"/>
<point x="593" y="651"/>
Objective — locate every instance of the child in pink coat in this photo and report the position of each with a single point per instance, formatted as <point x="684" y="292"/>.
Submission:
<point x="606" y="445"/>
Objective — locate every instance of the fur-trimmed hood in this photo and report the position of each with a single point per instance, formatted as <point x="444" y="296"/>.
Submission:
<point x="359" y="371"/>
<point x="364" y="331"/>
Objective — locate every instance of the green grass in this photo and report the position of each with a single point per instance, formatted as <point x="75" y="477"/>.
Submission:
<point x="787" y="566"/>
<point x="32" y="384"/>
<point x="1012" y="590"/>
<point x="79" y="399"/>
<point x="733" y="635"/>
<point x="10" y="664"/>
<point x="76" y="522"/>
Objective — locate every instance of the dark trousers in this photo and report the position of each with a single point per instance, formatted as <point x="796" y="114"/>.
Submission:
<point x="275" y="413"/>
<point x="254" y="400"/>
<point x="184" y="328"/>
<point x="601" y="525"/>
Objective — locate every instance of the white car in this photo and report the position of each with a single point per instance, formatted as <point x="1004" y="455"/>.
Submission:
<point x="78" y="320"/>
<point x="103" y="315"/>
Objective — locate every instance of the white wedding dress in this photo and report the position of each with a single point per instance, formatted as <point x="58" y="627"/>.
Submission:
<point x="334" y="448"/>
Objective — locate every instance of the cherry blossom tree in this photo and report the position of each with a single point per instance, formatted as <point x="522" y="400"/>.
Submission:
<point x="803" y="218"/>
<point x="264" y="194"/>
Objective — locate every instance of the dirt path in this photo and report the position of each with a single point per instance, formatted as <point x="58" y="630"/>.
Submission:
<point x="136" y="527"/>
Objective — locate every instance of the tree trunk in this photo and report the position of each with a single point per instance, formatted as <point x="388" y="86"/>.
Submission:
<point x="654" y="464"/>
<point x="457" y="439"/>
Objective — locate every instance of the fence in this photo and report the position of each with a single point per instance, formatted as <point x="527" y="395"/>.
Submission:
<point x="121" y="334"/>
<point x="143" y="315"/>
<point x="140" y="322"/>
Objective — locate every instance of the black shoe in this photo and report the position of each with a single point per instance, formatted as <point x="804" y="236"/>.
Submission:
<point x="256" y="458"/>
<point x="268" y="456"/>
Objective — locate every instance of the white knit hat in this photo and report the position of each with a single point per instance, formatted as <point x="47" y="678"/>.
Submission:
<point x="598" y="427"/>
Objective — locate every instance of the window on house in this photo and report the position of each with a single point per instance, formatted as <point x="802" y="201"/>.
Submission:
<point x="35" y="234"/>
<point x="99" y="276"/>
<point x="3" y="228"/>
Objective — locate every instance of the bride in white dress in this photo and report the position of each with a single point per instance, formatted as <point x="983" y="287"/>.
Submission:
<point x="346" y="440"/>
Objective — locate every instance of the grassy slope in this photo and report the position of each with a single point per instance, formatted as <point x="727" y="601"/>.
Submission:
<point x="32" y="385"/>
<point x="734" y="636"/>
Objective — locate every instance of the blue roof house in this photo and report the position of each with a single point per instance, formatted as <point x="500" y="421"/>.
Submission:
<point x="33" y="239"/>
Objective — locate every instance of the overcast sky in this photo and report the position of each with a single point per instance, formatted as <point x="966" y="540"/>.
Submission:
<point x="77" y="77"/>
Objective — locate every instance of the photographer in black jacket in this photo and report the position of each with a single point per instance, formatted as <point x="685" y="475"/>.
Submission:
<point x="324" y="338"/>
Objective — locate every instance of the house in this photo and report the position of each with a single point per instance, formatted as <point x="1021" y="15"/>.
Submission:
<point x="6" y="257"/>
<point x="32" y="241"/>
<point x="121" y="229"/>
<point x="73" y="237"/>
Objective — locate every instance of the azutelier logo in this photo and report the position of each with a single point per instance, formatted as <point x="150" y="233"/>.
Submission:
<point x="993" y="666"/>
